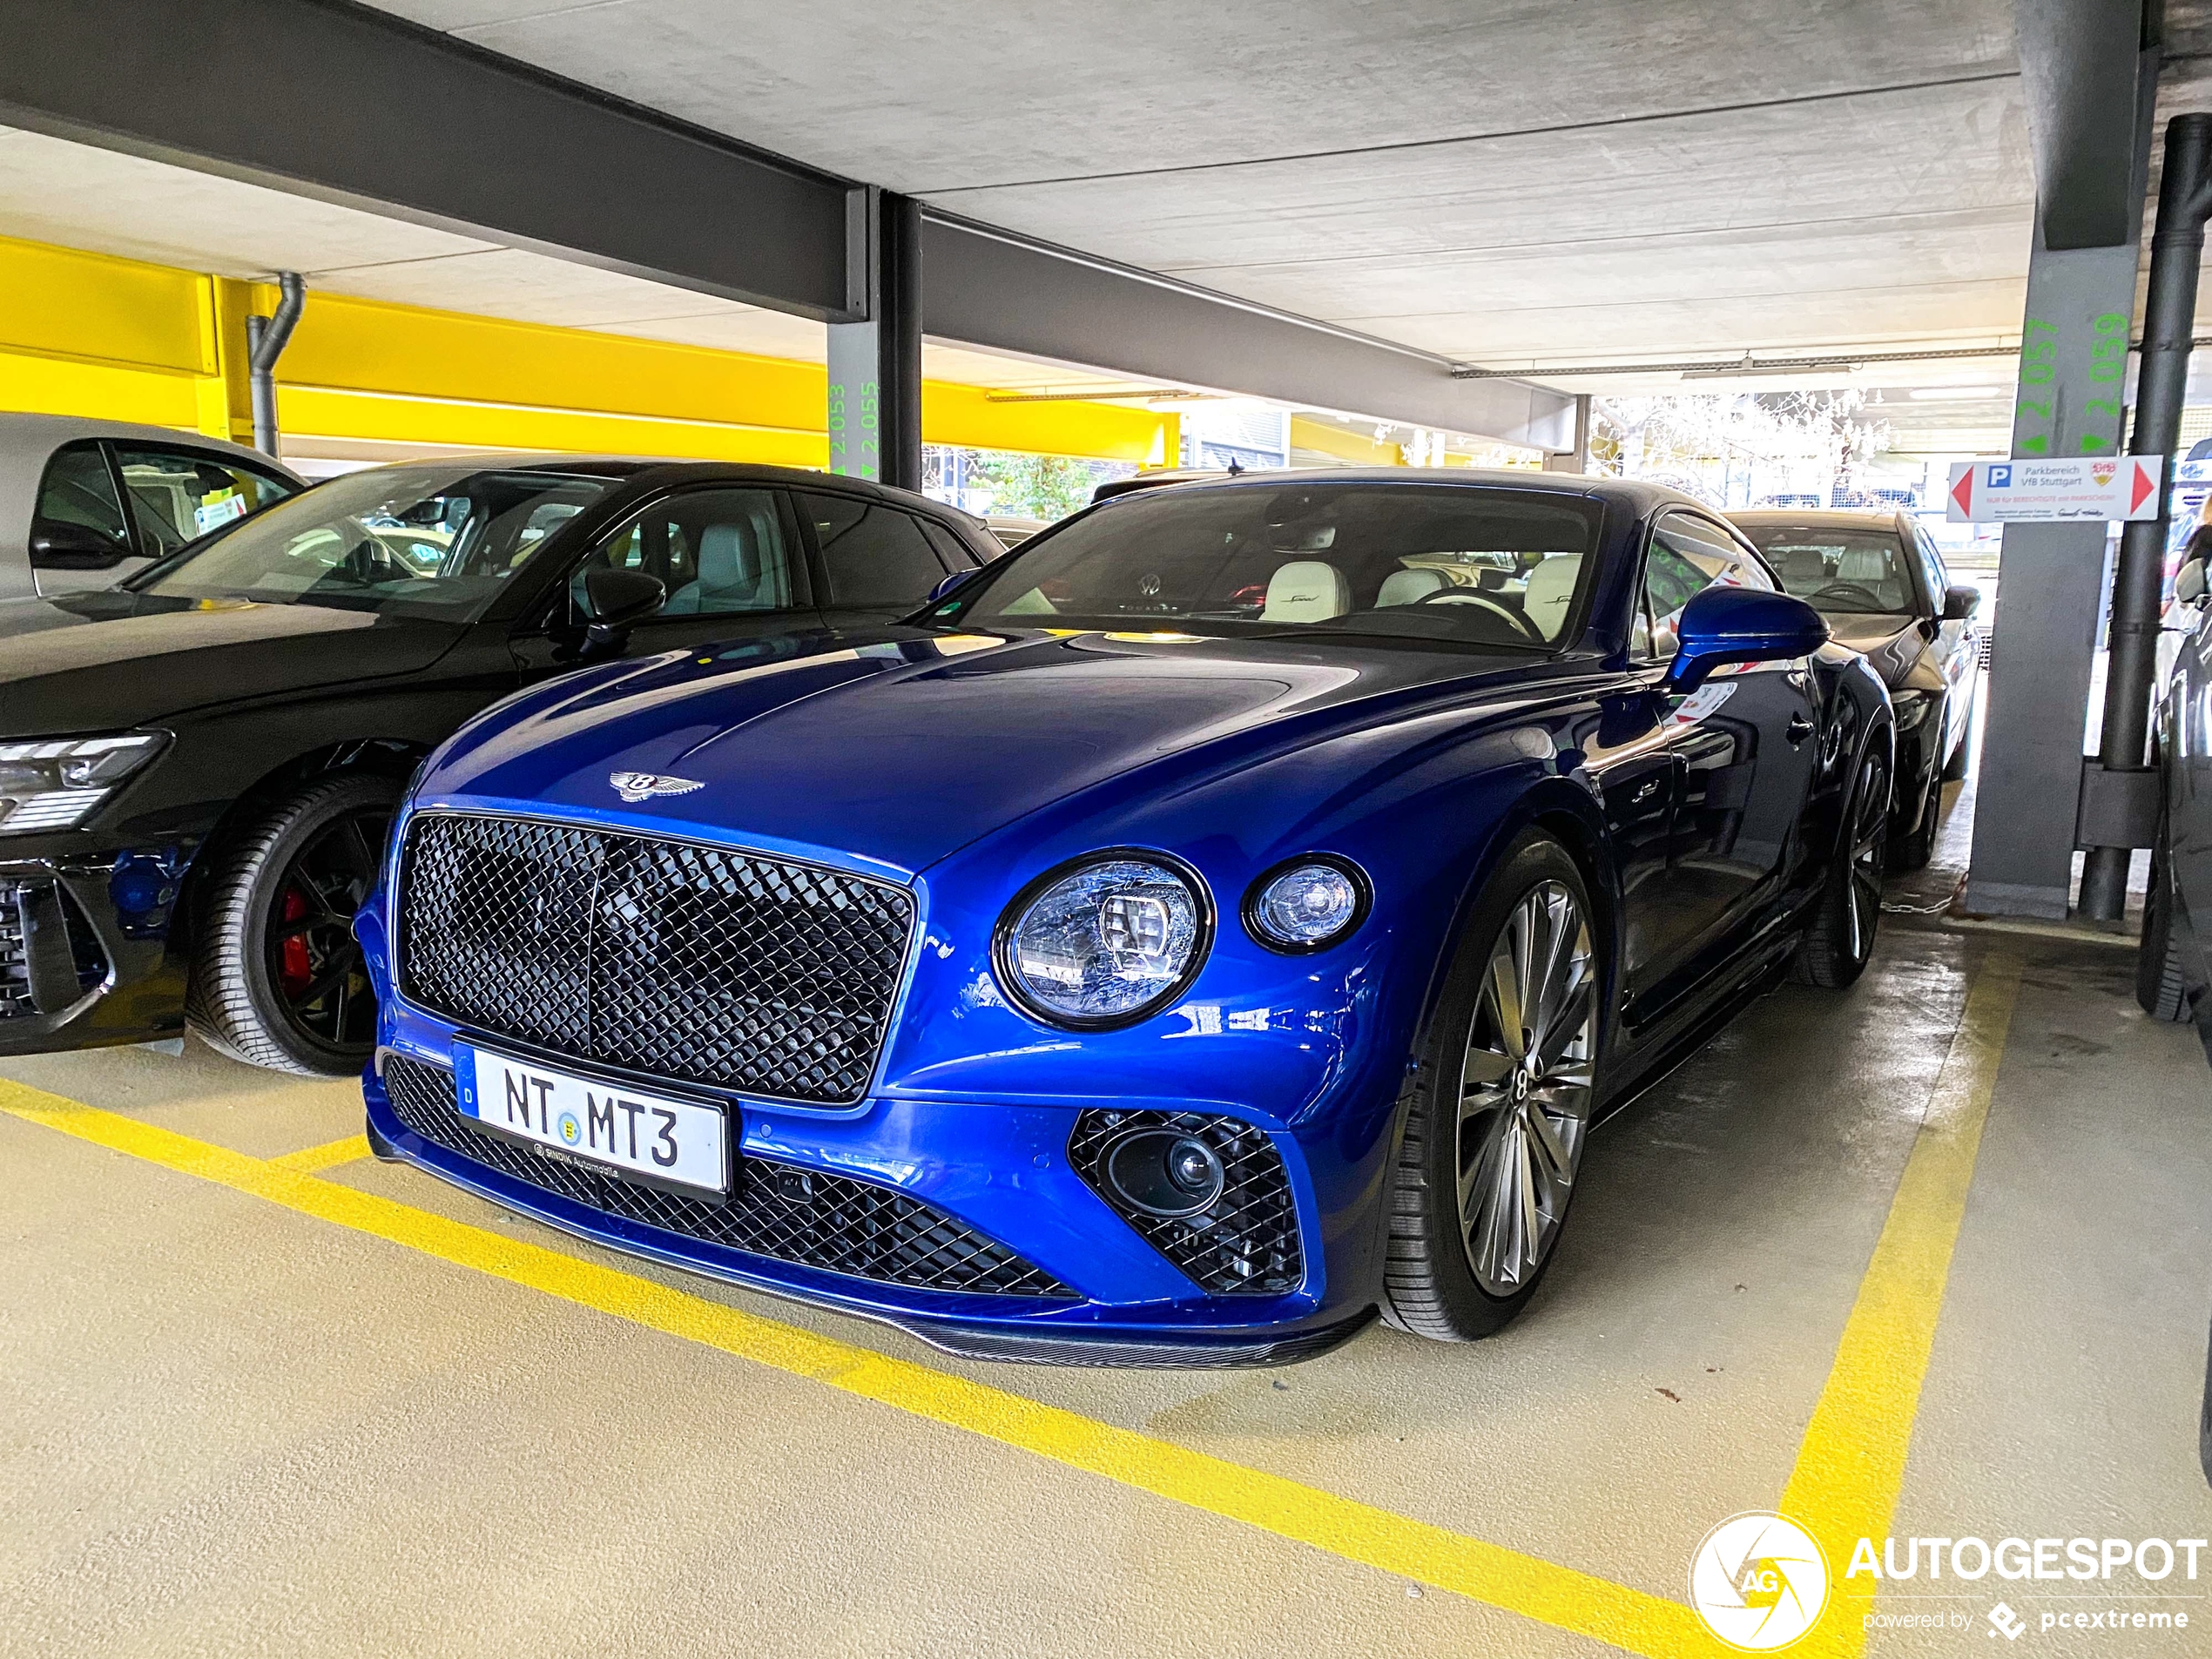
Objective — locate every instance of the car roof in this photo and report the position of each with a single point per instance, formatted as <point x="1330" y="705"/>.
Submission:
<point x="1821" y="518"/>
<point x="45" y="431"/>
<point x="1631" y="493"/>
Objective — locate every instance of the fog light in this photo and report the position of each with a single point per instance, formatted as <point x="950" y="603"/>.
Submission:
<point x="1164" y="1174"/>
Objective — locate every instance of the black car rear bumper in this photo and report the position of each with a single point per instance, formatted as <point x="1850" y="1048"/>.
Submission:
<point x="85" y="958"/>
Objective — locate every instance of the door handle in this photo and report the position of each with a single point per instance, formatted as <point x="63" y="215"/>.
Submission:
<point x="1799" y="728"/>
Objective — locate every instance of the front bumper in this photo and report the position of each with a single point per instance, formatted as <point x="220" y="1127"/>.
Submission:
<point x="1060" y="1277"/>
<point x="85" y="946"/>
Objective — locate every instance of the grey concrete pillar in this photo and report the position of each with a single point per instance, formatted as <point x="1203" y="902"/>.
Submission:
<point x="875" y="365"/>
<point x="2050" y="587"/>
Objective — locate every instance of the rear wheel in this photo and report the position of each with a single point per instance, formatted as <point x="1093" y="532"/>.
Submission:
<point x="1955" y="768"/>
<point x="1913" y="850"/>
<point x="278" y="979"/>
<point x="1841" y="939"/>
<point x="1500" y="1105"/>
<point x="2161" y="987"/>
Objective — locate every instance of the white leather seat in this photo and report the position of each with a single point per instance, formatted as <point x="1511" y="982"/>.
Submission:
<point x="1306" y="590"/>
<point x="732" y="575"/>
<point x="1409" y="587"/>
<point x="1549" y="591"/>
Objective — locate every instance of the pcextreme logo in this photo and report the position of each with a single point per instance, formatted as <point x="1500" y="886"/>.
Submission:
<point x="1759" y="1581"/>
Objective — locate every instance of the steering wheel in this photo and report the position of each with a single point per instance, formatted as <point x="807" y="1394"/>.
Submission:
<point x="1461" y="596"/>
<point x="1868" y="594"/>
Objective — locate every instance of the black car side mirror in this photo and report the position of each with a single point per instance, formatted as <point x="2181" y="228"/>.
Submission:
<point x="57" y="546"/>
<point x="612" y="600"/>
<point x="1961" y="603"/>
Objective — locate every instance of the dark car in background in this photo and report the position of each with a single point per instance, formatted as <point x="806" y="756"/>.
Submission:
<point x="85" y="503"/>
<point x="1881" y="584"/>
<point x="198" y="764"/>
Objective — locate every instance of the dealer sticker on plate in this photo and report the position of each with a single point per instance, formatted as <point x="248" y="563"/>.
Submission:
<point x="650" y="1134"/>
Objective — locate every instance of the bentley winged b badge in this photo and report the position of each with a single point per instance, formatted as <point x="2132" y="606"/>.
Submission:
<point x="635" y="786"/>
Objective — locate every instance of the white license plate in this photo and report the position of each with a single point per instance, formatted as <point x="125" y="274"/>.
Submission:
<point x="649" y="1135"/>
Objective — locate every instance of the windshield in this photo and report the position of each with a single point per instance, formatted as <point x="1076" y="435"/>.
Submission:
<point x="426" y="541"/>
<point x="1852" y="571"/>
<point x="1454" y="563"/>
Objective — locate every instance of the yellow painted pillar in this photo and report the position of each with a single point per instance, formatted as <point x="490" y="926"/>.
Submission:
<point x="1169" y="451"/>
<point x="225" y="399"/>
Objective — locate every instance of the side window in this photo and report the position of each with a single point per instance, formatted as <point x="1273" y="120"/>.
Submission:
<point x="177" y="496"/>
<point x="79" y="491"/>
<point x="1687" y="557"/>
<point x="872" y="554"/>
<point x="1932" y="570"/>
<point x="951" y="552"/>
<point x="718" y="552"/>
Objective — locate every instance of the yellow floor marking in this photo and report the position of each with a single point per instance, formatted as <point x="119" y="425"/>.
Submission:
<point x="1579" y="1603"/>
<point x="314" y="1160"/>
<point x="1850" y="1465"/>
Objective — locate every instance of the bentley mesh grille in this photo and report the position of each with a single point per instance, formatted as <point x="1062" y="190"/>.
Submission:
<point x="780" y="1211"/>
<point x="666" y="957"/>
<point x="1247" y="1241"/>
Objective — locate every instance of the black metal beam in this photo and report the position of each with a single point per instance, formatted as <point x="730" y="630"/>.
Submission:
<point x="991" y="288"/>
<point x="352" y="106"/>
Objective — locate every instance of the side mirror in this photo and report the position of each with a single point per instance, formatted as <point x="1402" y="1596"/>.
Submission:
<point x="57" y="546"/>
<point x="611" y="601"/>
<point x="947" y="585"/>
<point x="2189" y="582"/>
<point x="1961" y="603"/>
<point x="1739" y="625"/>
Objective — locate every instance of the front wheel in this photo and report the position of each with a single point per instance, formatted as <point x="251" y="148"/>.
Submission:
<point x="1841" y="939"/>
<point x="278" y="979"/>
<point x="1913" y="850"/>
<point x="1500" y="1105"/>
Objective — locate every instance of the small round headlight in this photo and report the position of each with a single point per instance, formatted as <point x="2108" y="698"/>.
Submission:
<point x="1165" y="1173"/>
<point x="1106" y="942"/>
<point x="1307" y="904"/>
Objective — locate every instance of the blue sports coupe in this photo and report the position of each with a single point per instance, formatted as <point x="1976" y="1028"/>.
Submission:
<point x="1219" y="921"/>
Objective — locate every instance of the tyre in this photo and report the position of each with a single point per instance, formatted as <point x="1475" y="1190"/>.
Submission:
<point x="1913" y="850"/>
<point x="278" y="980"/>
<point x="1499" y="1106"/>
<point x="1955" y="768"/>
<point x="1844" y="917"/>
<point x="2161" y="987"/>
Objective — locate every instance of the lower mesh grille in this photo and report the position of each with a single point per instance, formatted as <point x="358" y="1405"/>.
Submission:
<point x="822" y="1221"/>
<point x="1247" y="1241"/>
<point x="49" y="956"/>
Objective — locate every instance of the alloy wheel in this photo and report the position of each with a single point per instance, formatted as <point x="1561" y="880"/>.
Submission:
<point x="1869" y="836"/>
<point x="1525" y="1087"/>
<point x="314" y="961"/>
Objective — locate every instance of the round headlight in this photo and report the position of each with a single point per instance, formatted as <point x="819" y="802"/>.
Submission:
<point x="1106" y="942"/>
<point x="1307" y="904"/>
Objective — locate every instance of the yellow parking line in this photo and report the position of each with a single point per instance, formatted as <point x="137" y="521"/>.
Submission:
<point x="1579" y="1603"/>
<point x="314" y="1160"/>
<point x="1851" y="1464"/>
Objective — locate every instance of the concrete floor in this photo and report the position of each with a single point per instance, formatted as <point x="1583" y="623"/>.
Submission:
<point x="227" y="1427"/>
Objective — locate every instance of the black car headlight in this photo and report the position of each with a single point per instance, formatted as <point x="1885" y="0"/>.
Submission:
<point x="54" y="782"/>
<point x="1106" y="940"/>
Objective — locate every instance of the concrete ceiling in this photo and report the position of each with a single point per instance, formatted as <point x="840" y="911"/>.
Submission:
<point x="1504" y="183"/>
<point x="77" y="196"/>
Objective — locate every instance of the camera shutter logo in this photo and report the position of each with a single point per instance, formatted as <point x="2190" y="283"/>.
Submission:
<point x="1759" y="1581"/>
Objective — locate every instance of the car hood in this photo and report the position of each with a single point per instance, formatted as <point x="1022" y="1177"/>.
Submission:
<point x="900" y="751"/>
<point x="1875" y="636"/>
<point x="83" y="662"/>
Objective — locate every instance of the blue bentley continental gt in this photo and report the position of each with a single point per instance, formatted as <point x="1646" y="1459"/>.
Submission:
<point x="1217" y="921"/>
